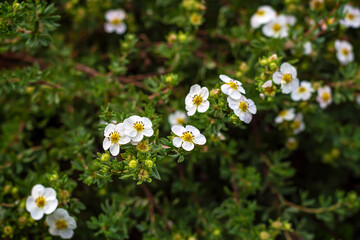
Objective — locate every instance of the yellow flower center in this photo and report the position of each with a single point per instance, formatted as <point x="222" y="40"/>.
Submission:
<point x="61" y="224"/>
<point x="287" y="78"/>
<point x="350" y="16"/>
<point x="345" y="51"/>
<point x="139" y="126"/>
<point x="180" y="121"/>
<point x="143" y="146"/>
<point x="114" y="137"/>
<point x="276" y="27"/>
<point x="283" y="113"/>
<point x="197" y="100"/>
<point x="326" y="96"/>
<point x="318" y="5"/>
<point x="243" y="106"/>
<point x="296" y="124"/>
<point x="260" y="12"/>
<point x="233" y="85"/>
<point x="302" y="89"/>
<point x="188" y="136"/>
<point x="40" y="202"/>
<point x="269" y="90"/>
<point x="116" y="21"/>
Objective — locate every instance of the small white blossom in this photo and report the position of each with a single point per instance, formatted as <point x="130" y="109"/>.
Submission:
<point x="263" y="15"/>
<point x="344" y="51"/>
<point x="303" y="92"/>
<point x="352" y="17"/>
<point x="287" y="77"/>
<point x="277" y="28"/>
<point x="61" y="224"/>
<point x="298" y="125"/>
<point x="42" y="200"/>
<point x="268" y="88"/>
<point x="114" y="137"/>
<point x="285" y="115"/>
<point x="220" y="136"/>
<point x="187" y="137"/>
<point x="243" y="108"/>
<point x="115" y="21"/>
<point x="137" y="127"/>
<point x="231" y="87"/>
<point x="290" y="19"/>
<point x="307" y="48"/>
<point x="196" y="100"/>
<point x="177" y="118"/>
<point x="324" y="97"/>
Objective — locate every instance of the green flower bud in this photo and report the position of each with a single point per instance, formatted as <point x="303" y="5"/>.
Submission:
<point x="214" y="92"/>
<point x="8" y="230"/>
<point x="105" y="157"/>
<point x="143" y="174"/>
<point x="133" y="163"/>
<point x="263" y="62"/>
<point x="276" y="225"/>
<point x="264" y="236"/>
<point x="234" y="118"/>
<point x="149" y="163"/>
<point x="273" y="66"/>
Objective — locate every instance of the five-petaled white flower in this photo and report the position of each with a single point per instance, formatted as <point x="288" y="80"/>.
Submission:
<point x="287" y="77"/>
<point x="303" y="92"/>
<point x="307" y="48"/>
<point x="352" y="17"/>
<point x="115" y="21"/>
<point x="263" y="15"/>
<point x="231" y="87"/>
<point x="177" y="118"/>
<point x="61" y="224"/>
<point x="324" y="97"/>
<point x="114" y="137"/>
<point x="285" y="115"/>
<point x="344" y="51"/>
<point x="277" y="28"/>
<point x="187" y="137"/>
<point x="137" y="127"/>
<point x="197" y="100"/>
<point x="243" y="108"/>
<point x="298" y="125"/>
<point x="42" y="200"/>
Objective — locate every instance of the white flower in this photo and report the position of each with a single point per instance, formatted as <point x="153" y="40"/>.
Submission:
<point x="268" y="88"/>
<point x="324" y="97"/>
<point x="187" y="137"/>
<point x="115" y="22"/>
<point x="263" y="15"/>
<point x="290" y="19"/>
<point x="61" y="224"/>
<point x="114" y="137"/>
<point x="285" y="115"/>
<point x="231" y="87"/>
<point x="177" y="118"/>
<point x="307" y="48"/>
<point x="42" y="200"/>
<point x="344" y="51"/>
<point x="358" y="99"/>
<point x="303" y="92"/>
<point x="220" y="136"/>
<point x="278" y="27"/>
<point x="352" y="17"/>
<point x="243" y="108"/>
<point x="137" y="127"/>
<point x="298" y="125"/>
<point x="287" y="77"/>
<point x="197" y="100"/>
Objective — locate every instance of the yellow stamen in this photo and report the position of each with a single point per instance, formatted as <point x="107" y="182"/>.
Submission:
<point x="345" y="51"/>
<point x="296" y="124"/>
<point x="233" y="85"/>
<point x="326" y="96"/>
<point x="350" y="16"/>
<point x="243" y="106"/>
<point x="276" y="27"/>
<point x="40" y="202"/>
<point x="283" y="113"/>
<point x="180" y="121"/>
<point x="260" y="12"/>
<point x="116" y="21"/>
<point x="188" y="136"/>
<point x="61" y="224"/>
<point x="114" y="137"/>
<point x="287" y="78"/>
<point x="197" y="100"/>
<point x="139" y="126"/>
<point x="302" y="89"/>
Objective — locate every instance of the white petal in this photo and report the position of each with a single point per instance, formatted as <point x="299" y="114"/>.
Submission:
<point x="109" y="129"/>
<point x="37" y="213"/>
<point x="60" y="213"/>
<point x="114" y="149"/>
<point x="195" y="89"/>
<point x="204" y="93"/>
<point x="109" y="27"/>
<point x="295" y="96"/>
<point x="288" y="68"/>
<point x="49" y="193"/>
<point x="147" y="122"/>
<point x="177" y="142"/>
<point x="191" y="110"/>
<point x="50" y="206"/>
<point x="66" y="234"/>
<point x="277" y="76"/>
<point x="203" y="107"/>
<point x="225" y="78"/>
<point x="106" y="143"/>
<point x="188" y="146"/>
<point x="148" y="132"/>
<point x="71" y="222"/>
<point x="199" y="139"/>
<point x="235" y="94"/>
<point x="120" y="29"/>
<point x="241" y="89"/>
<point x="225" y="88"/>
<point x="37" y="191"/>
<point x="248" y="117"/>
<point x="192" y="129"/>
<point x="178" y="130"/>
<point x="124" y="140"/>
<point x="50" y="220"/>
<point x="30" y="203"/>
<point x="138" y="137"/>
<point x="54" y="231"/>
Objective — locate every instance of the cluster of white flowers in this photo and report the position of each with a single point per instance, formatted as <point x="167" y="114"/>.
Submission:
<point x="243" y="108"/>
<point x="273" y="25"/>
<point x="289" y="115"/>
<point x="43" y="201"/>
<point x="133" y="130"/>
<point x="115" y="21"/>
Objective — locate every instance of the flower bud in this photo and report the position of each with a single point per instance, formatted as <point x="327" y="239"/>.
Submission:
<point x="273" y="66"/>
<point x="287" y="226"/>
<point x="214" y="92"/>
<point x="149" y="163"/>
<point x="8" y="230"/>
<point x="105" y="157"/>
<point x="276" y="224"/>
<point x="234" y="118"/>
<point x="143" y="174"/>
<point x="133" y="164"/>
<point x="264" y="236"/>
<point x="171" y="38"/>
<point x="263" y="62"/>
<point x="169" y="79"/>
